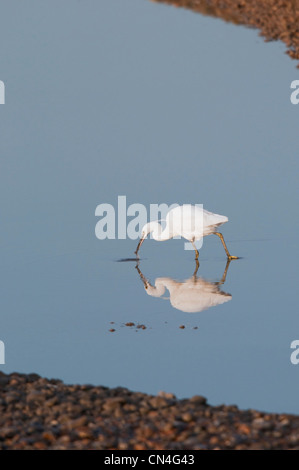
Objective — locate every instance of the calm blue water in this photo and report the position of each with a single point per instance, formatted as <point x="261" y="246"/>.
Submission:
<point x="161" y="105"/>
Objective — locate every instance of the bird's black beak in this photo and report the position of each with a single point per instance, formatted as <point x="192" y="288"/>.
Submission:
<point x="139" y="245"/>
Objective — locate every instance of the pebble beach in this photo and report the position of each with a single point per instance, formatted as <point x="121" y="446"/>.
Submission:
<point x="40" y="414"/>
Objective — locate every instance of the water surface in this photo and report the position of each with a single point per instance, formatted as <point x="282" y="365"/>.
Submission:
<point x="161" y="105"/>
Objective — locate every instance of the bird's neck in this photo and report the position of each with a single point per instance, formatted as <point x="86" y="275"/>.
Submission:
<point x="157" y="290"/>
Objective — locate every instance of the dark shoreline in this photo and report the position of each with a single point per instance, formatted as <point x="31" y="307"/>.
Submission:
<point x="37" y="413"/>
<point x="276" y="19"/>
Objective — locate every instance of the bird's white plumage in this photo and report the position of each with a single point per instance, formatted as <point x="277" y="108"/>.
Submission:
<point x="187" y="221"/>
<point x="193" y="222"/>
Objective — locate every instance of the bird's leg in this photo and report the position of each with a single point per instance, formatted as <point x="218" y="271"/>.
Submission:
<point x="196" y="251"/>
<point x="223" y="279"/>
<point x="196" y="269"/>
<point x="230" y="257"/>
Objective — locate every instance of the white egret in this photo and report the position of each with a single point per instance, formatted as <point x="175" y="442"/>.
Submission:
<point x="187" y="221"/>
<point x="192" y="295"/>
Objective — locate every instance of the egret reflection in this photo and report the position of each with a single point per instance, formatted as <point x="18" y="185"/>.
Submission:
<point x="192" y="295"/>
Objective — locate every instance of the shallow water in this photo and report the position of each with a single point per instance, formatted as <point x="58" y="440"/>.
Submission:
<point x="161" y="105"/>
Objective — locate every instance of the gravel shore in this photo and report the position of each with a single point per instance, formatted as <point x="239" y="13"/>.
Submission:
<point x="276" y="19"/>
<point x="37" y="413"/>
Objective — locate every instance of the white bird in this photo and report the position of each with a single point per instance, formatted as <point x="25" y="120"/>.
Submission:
<point x="187" y="221"/>
<point x="192" y="295"/>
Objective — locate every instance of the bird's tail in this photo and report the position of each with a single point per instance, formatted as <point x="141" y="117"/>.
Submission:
<point x="215" y="219"/>
<point x="221" y="219"/>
